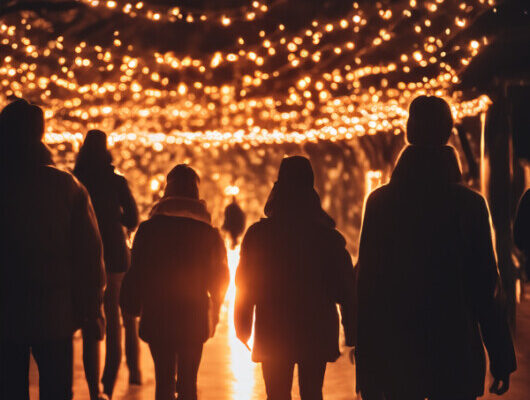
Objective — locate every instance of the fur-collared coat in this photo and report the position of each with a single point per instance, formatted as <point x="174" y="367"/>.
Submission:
<point x="178" y="273"/>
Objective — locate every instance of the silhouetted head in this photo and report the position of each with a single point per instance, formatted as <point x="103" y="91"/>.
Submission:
<point x="182" y="181"/>
<point x="21" y="133"/>
<point x="293" y="196"/>
<point x="430" y="122"/>
<point x="95" y="142"/>
<point x="93" y="154"/>
<point x="22" y="123"/>
<point x="296" y="171"/>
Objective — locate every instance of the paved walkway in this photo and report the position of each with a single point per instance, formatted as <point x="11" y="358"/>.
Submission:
<point x="226" y="372"/>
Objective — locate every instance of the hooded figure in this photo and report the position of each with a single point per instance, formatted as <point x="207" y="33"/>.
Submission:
<point x="521" y="228"/>
<point x="235" y="222"/>
<point x="116" y="213"/>
<point x="427" y="277"/>
<point x="294" y="270"/>
<point x="178" y="278"/>
<point x="51" y="272"/>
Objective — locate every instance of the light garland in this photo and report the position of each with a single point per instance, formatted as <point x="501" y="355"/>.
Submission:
<point x="314" y="84"/>
<point x="135" y="9"/>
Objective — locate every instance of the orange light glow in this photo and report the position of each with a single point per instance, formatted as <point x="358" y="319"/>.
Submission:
<point x="241" y="364"/>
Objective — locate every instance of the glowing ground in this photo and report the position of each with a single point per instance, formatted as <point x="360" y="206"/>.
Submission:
<point x="227" y="373"/>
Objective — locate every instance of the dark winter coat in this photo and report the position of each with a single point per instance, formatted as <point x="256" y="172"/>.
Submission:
<point x="427" y="284"/>
<point x="52" y="274"/>
<point x="521" y="228"/>
<point x="179" y="266"/>
<point x="115" y="210"/>
<point x="293" y="272"/>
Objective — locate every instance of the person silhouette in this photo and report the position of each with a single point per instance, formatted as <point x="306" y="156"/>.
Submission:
<point x="177" y="283"/>
<point x="115" y="211"/>
<point x="52" y="274"/>
<point x="521" y="229"/>
<point x="235" y="222"/>
<point x="427" y="277"/>
<point x="294" y="269"/>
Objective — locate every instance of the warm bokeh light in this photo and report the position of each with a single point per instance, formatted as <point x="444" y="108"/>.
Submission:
<point x="241" y="365"/>
<point x="333" y="79"/>
<point x="374" y="179"/>
<point x="231" y="190"/>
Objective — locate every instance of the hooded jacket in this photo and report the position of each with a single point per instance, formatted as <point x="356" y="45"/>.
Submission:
<point x="428" y="284"/>
<point x="293" y="271"/>
<point x="178" y="268"/>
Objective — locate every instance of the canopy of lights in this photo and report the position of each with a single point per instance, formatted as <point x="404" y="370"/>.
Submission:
<point x="236" y="75"/>
<point x="233" y="89"/>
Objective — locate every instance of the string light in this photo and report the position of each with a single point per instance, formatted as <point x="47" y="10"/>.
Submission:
<point x="312" y="84"/>
<point x="173" y="14"/>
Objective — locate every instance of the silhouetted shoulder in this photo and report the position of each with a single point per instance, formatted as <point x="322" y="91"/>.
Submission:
<point x="336" y="238"/>
<point x="143" y="227"/>
<point x="60" y="178"/>
<point x="257" y="227"/>
<point x="378" y="195"/>
<point x="119" y="178"/>
<point x="470" y="196"/>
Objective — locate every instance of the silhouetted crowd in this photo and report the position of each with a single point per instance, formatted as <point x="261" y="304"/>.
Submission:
<point x="418" y="309"/>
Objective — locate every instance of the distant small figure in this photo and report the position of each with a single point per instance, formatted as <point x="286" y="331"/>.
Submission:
<point x="51" y="272"/>
<point x="521" y="229"/>
<point x="235" y="222"/>
<point x="293" y="272"/>
<point x="427" y="280"/>
<point x="115" y="211"/>
<point x="177" y="283"/>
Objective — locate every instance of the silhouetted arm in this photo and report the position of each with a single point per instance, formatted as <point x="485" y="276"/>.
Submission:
<point x="87" y="252"/>
<point x="131" y="289"/>
<point x="491" y="314"/>
<point x="365" y="281"/>
<point x="219" y="275"/>
<point x="345" y="288"/>
<point x="244" y="303"/>
<point x="521" y="224"/>
<point x="129" y="216"/>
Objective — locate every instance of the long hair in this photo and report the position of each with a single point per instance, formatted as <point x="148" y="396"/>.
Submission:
<point x="93" y="154"/>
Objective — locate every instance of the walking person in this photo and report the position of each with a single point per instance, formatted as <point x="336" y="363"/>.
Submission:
<point x="51" y="274"/>
<point x="521" y="229"/>
<point x="235" y="222"/>
<point x="116" y="212"/>
<point x="427" y="277"/>
<point x="177" y="283"/>
<point x="294" y="270"/>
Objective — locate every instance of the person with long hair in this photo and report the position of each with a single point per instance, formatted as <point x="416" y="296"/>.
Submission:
<point x="177" y="283"/>
<point x="116" y="212"/>
<point x="51" y="270"/>
<point x="294" y="270"/>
